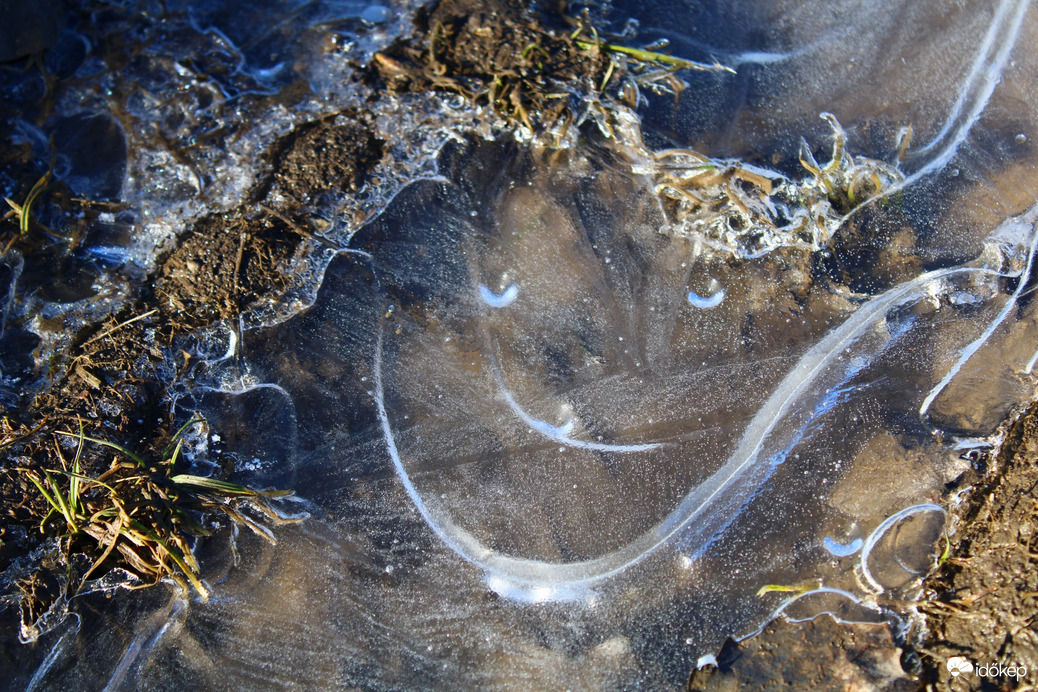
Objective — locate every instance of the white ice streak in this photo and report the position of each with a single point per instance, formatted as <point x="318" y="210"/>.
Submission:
<point x="149" y="635"/>
<point x="691" y="521"/>
<point x="986" y="69"/>
<point x="499" y="300"/>
<point x="1030" y="217"/>
<point x="977" y="89"/>
<point x="561" y="433"/>
<point x="781" y="610"/>
<point x="881" y="530"/>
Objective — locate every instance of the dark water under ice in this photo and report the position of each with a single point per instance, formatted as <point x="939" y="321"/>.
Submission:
<point x="551" y="436"/>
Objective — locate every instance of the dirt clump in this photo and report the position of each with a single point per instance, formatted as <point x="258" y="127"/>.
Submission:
<point x="225" y="265"/>
<point x="982" y="604"/>
<point x="331" y="154"/>
<point x="526" y="65"/>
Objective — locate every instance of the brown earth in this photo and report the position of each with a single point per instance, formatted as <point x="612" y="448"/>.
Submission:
<point x="525" y="64"/>
<point x="114" y="382"/>
<point x="982" y="603"/>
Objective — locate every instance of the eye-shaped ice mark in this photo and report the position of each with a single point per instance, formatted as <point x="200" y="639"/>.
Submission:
<point x="499" y="300"/>
<point x="710" y="301"/>
<point x="841" y="550"/>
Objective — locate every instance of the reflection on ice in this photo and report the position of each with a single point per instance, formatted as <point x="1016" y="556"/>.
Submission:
<point x="499" y="300"/>
<point x="709" y="301"/>
<point x="841" y="550"/>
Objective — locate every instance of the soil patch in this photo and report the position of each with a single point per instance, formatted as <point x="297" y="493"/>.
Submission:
<point x="92" y="464"/>
<point x="526" y="65"/>
<point x="983" y="602"/>
<point x="327" y="156"/>
<point x="224" y="266"/>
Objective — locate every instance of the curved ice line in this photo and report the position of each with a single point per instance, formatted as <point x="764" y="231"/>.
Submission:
<point x="986" y="68"/>
<point x="499" y="300"/>
<point x="55" y="652"/>
<point x="459" y="540"/>
<point x="157" y="625"/>
<point x="1030" y="216"/>
<point x="993" y="74"/>
<point x="821" y="589"/>
<point x="706" y="302"/>
<point x="559" y="581"/>
<point x="1029" y="368"/>
<point x="560" y="433"/>
<point x="881" y="531"/>
<point x="841" y="550"/>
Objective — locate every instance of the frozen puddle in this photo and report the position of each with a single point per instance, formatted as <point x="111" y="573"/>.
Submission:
<point x="581" y="471"/>
<point x="560" y="417"/>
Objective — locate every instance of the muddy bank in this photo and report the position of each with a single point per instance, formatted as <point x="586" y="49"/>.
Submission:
<point x="96" y="454"/>
<point x="982" y="603"/>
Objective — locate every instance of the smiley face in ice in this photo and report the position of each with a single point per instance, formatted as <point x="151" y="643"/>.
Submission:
<point x="561" y="387"/>
<point x="565" y="390"/>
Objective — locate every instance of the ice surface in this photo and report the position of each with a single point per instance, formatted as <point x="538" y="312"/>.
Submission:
<point x="553" y="434"/>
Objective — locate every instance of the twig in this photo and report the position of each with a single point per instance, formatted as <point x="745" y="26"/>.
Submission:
<point x="293" y="226"/>
<point x="652" y="56"/>
<point x="105" y="333"/>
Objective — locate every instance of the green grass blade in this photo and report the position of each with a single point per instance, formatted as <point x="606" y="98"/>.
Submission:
<point x="66" y="512"/>
<point x="178" y="437"/>
<point x="653" y="56"/>
<point x="26" y="208"/>
<point x="106" y="443"/>
<point x="73" y="493"/>
<point x="88" y="479"/>
<point x="223" y="487"/>
<point x="46" y="495"/>
<point x="176" y="453"/>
